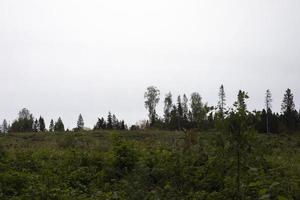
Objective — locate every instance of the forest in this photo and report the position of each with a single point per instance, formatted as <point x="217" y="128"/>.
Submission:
<point x="194" y="151"/>
<point x="183" y="114"/>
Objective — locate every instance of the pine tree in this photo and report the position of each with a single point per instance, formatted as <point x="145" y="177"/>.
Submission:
<point x="42" y="126"/>
<point x="36" y="125"/>
<point x="109" y="121"/>
<point x="288" y="110"/>
<point x="179" y="113"/>
<point x="222" y="102"/>
<point x="59" y="126"/>
<point x="268" y="108"/>
<point x="115" y="122"/>
<point x="4" y="126"/>
<point x="80" y="123"/>
<point x="51" y="126"/>
<point x="123" y="126"/>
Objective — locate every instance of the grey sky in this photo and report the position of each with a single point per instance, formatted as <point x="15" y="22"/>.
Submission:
<point x="65" y="57"/>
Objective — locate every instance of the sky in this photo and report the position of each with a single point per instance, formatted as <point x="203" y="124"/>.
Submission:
<point x="65" y="57"/>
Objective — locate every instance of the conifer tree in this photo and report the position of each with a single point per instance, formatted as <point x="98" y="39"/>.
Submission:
<point x="222" y="102"/>
<point x="36" y="125"/>
<point x="4" y="126"/>
<point x="59" y="125"/>
<point x="179" y="113"/>
<point x="288" y="110"/>
<point x="51" y="126"/>
<point x="42" y="126"/>
<point x="109" y="121"/>
<point x="268" y="102"/>
<point x="80" y="123"/>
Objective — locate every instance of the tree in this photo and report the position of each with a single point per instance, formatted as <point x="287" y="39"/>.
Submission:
<point x="59" y="126"/>
<point x="168" y="108"/>
<point x="51" y="126"/>
<point x="185" y="111"/>
<point x="25" y="114"/>
<point x="36" y="126"/>
<point x="24" y="123"/>
<point x="122" y="125"/>
<point x="236" y="126"/>
<point x="240" y="104"/>
<point x="179" y="113"/>
<point x="199" y="110"/>
<point x="268" y="102"/>
<point x="152" y="99"/>
<point x="288" y="110"/>
<point x="101" y="124"/>
<point x="80" y="123"/>
<point x="4" y="126"/>
<point x="109" y="121"/>
<point x="222" y="102"/>
<point x="115" y="122"/>
<point x="42" y="126"/>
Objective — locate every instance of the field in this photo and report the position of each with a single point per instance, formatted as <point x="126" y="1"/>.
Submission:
<point x="146" y="165"/>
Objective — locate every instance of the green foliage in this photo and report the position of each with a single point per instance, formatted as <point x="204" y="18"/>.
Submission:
<point x="147" y="165"/>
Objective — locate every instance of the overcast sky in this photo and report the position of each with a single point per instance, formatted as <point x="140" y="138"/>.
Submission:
<point x="65" y="57"/>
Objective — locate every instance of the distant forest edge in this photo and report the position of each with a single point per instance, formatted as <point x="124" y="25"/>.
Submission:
<point x="184" y="114"/>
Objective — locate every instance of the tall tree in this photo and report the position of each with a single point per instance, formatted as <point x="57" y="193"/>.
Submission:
<point x="36" y="126"/>
<point x="288" y="110"/>
<point x="152" y="98"/>
<point x="268" y="102"/>
<point x="168" y="108"/>
<point x="42" y="126"/>
<point x="185" y="111"/>
<point x="51" y="126"/>
<point x="222" y="102"/>
<point x="109" y="121"/>
<point x="199" y="110"/>
<point x="80" y="123"/>
<point x="237" y="127"/>
<point x="240" y="104"/>
<point x="115" y="122"/>
<point x="4" y="126"/>
<point x="179" y="113"/>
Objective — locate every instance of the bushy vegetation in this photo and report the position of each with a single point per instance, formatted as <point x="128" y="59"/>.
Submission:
<point x="148" y="165"/>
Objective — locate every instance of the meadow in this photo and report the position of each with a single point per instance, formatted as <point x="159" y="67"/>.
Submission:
<point x="147" y="164"/>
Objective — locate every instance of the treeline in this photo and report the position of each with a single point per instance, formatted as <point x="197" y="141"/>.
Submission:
<point x="27" y="123"/>
<point x="193" y="113"/>
<point x="185" y="113"/>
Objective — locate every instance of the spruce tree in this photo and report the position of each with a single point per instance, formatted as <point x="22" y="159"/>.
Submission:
<point x="288" y="110"/>
<point x="4" y="126"/>
<point x="59" y="125"/>
<point x="51" y="126"/>
<point x="42" y="126"/>
<point x="268" y="102"/>
<point x="80" y="123"/>
<point x="222" y="102"/>
<point x="109" y="121"/>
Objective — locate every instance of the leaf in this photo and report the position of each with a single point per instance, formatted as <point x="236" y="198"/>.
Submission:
<point x="263" y="191"/>
<point x="282" y="198"/>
